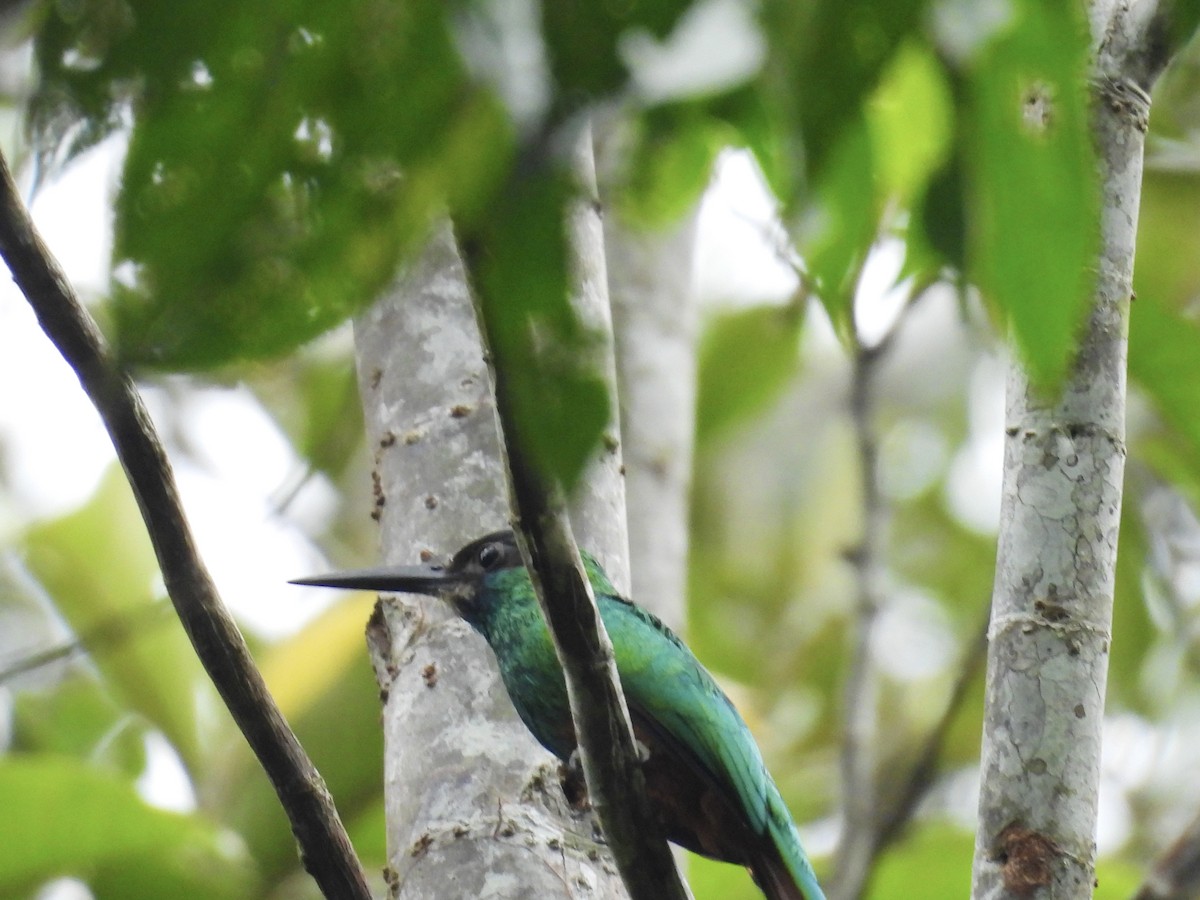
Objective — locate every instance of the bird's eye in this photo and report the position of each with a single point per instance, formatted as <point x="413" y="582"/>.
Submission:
<point x="490" y="556"/>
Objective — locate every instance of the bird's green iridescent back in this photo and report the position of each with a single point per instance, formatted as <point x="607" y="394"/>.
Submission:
<point x="664" y="684"/>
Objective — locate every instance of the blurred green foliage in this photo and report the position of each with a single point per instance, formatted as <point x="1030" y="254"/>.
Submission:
<point x="284" y="159"/>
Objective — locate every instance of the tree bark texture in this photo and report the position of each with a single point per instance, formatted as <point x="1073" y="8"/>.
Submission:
<point x="654" y="313"/>
<point x="1053" y="595"/>
<point x="473" y="804"/>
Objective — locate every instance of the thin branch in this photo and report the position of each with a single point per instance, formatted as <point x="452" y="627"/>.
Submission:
<point x="859" y="844"/>
<point x="1176" y="874"/>
<point x="861" y="691"/>
<point x="611" y="764"/>
<point x="106" y="634"/>
<point x="893" y="816"/>
<point x="325" y="847"/>
<point x="608" y="751"/>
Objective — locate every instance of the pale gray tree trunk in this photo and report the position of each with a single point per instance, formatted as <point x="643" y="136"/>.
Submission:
<point x="1053" y="595"/>
<point x="474" y="806"/>
<point x="653" y="302"/>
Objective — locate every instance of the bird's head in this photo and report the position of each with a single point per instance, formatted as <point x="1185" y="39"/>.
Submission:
<point x="471" y="583"/>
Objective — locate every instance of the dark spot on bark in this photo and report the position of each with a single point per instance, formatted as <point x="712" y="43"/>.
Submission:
<point x="1051" y="611"/>
<point x="553" y="843"/>
<point x="411" y="437"/>
<point x="377" y="490"/>
<point x="390" y="878"/>
<point x="460" y="831"/>
<point x="1080" y="712"/>
<point x="389" y="438"/>
<point x="376" y="377"/>
<point x="1026" y="858"/>
<point x="383" y="696"/>
<point x="430" y="675"/>
<point x="1038" y="766"/>
<point x="420" y="846"/>
<point x="431" y="502"/>
<point x="610" y="443"/>
<point x="460" y="411"/>
<point x="425" y="555"/>
<point x="1012" y="430"/>
<point x="622" y="469"/>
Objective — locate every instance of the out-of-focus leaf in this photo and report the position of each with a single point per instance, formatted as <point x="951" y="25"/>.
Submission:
<point x="1033" y="183"/>
<point x="78" y="718"/>
<point x="841" y="224"/>
<point x="323" y="683"/>
<point x="939" y="234"/>
<point x="1132" y="629"/>
<point x="670" y="165"/>
<point x="933" y="862"/>
<point x="282" y="159"/>
<point x="540" y="349"/>
<point x="760" y="123"/>
<point x="910" y="121"/>
<point x="747" y="358"/>
<point x="1168" y="243"/>
<point x="1162" y="347"/>
<point x="62" y="817"/>
<point x="826" y="58"/>
<point x="712" y="880"/>
<point x="583" y="37"/>
<point x="98" y="566"/>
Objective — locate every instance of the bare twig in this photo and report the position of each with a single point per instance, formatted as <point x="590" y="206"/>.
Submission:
<point x="861" y="807"/>
<point x="893" y="815"/>
<point x="326" y="850"/>
<point x="860" y="694"/>
<point x="1176" y="874"/>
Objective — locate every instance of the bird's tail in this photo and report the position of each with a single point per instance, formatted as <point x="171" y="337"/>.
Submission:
<point x="785" y="873"/>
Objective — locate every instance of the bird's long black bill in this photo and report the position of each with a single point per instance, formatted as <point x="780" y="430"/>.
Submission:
<point x="392" y="579"/>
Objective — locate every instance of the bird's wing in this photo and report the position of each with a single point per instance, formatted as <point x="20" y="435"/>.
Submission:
<point x="675" y="696"/>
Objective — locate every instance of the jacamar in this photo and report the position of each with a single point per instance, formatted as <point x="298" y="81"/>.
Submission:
<point x="705" y="776"/>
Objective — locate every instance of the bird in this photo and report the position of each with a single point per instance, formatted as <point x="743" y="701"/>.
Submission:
<point x="705" y="777"/>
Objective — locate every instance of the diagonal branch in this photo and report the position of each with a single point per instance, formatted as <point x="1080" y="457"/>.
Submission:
<point x="608" y="751"/>
<point x="325" y="847"/>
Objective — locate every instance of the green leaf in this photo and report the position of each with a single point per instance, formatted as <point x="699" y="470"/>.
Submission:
<point x="841" y="224"/>
<point x="63" y="817"/>
<point x="747" y="359"/>
<point x="1033" y="181"/>
<point x="825" y="59"/>
<point x="283" y="158"/>
<point x="910" y="118"/>
<point x="542" y="353"/>
<point x="98" y="566"/>
<point x="1168" y="241"/>
<point x="582" y="41"/>
<point x="78" y="718"/>
<point x="671" y="164"/>
<point x="1163" y="346"/>
<point x="939" y="234"/>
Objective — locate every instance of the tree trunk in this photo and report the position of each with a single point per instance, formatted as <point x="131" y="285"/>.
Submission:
<point x="473" y="804"/>
<point x="1052" y="602"/>
<point x="653" y="301"/>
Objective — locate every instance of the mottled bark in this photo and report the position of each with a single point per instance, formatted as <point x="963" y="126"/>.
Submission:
<point x="1053" y="596"/>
